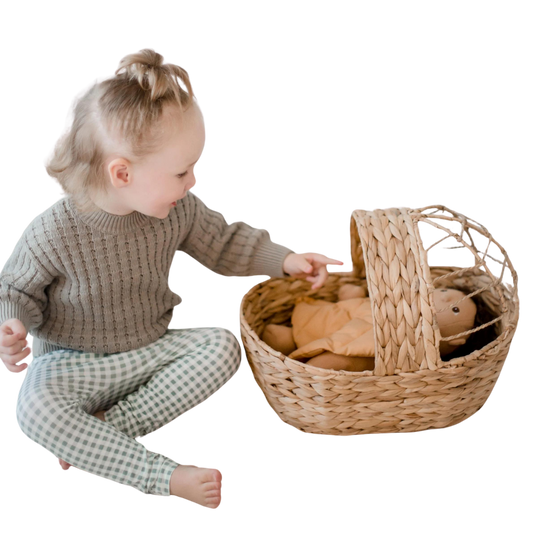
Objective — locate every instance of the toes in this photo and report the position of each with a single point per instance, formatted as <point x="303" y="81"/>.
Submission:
<point x="201" y="486"/>
<point x="218" y="475"/>
<point x="213" y="506"/>
<point x="212" y="488"/>
<point x="64" y="464"/>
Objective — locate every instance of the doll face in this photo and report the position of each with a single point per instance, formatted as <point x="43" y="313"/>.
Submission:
<point x="454" y="317"/>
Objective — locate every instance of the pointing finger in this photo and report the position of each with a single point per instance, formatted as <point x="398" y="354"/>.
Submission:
<point x="319" y="258"/>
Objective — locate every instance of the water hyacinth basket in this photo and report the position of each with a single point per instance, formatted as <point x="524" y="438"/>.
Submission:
<point x="410" y="388"/>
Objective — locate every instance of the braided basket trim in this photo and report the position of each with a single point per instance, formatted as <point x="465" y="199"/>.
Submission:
<point x="399" y="288"/>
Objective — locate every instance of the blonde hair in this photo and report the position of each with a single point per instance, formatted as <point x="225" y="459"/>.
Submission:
<point x="125" y="110"/>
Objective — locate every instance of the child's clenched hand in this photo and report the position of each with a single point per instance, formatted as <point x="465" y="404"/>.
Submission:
<point x="13" y="344"/>
<point x="311" y="267"/>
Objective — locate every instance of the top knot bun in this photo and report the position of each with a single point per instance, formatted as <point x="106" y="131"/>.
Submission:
<point x="146" y="67"/>
<point x="144" y="58"/>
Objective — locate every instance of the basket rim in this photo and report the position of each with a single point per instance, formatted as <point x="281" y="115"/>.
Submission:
<point x="513" y="316"/>
<point x="405" y="222"/>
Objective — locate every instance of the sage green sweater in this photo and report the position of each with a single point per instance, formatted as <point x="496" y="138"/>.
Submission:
<point x="99" y="282"/>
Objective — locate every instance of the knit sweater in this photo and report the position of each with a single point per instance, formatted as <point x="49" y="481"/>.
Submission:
<point x="98" y="282"/>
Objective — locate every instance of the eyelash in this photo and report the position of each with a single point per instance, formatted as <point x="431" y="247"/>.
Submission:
<point x="183" y="174"/>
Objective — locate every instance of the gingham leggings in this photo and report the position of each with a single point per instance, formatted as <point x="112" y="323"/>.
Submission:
<point x="141" y="390"/>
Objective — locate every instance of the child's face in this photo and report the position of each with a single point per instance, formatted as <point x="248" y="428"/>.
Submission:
<point x="164" y="177"/>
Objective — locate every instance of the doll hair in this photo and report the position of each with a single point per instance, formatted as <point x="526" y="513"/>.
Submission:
<point x="122" y="113"/>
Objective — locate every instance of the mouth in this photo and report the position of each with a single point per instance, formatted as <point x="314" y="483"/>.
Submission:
<point x="173" y="203"/>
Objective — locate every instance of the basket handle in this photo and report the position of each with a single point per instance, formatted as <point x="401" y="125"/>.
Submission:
<point x="388" y="250"/>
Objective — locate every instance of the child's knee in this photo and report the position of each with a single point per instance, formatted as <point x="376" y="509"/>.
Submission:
<point x="37" y="408"/>
<point x="228" y="349"/>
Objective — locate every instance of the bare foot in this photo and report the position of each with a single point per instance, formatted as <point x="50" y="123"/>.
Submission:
<point x="64" y="464"/>
<point x="199" y="485"/>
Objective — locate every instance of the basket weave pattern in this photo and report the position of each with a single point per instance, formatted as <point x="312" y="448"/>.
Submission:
<point x="410" y="388"/>
<point x="398" y="279"/>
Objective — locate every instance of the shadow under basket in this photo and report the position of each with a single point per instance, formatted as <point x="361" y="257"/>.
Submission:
<point x="410" y="388"/>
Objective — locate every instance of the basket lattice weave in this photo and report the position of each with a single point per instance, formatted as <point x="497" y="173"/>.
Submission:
<point x="410" y="388"/>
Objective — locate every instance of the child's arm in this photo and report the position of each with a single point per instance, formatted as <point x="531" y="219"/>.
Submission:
<point x="23" y="281"/>
<point x="232" y="250"/>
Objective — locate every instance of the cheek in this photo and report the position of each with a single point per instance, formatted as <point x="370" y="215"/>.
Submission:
<point x="171" y="185"/>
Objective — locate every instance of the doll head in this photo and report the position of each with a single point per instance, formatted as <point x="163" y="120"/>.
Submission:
<point x="455" y="314"/>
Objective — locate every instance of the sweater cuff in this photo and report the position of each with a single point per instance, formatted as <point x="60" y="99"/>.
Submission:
<point x="268" y="259"/>
<point x="12" y="310"/>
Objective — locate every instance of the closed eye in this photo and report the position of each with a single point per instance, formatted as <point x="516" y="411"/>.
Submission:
<point x="183" y="174"/>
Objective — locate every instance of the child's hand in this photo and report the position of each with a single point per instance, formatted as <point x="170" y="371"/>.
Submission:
<point x="311" y="267"/>
<point x="12" y="344"/>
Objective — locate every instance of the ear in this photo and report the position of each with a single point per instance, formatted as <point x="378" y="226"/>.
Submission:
<point x="457" y="342"/>
<point x="119" y="172"/>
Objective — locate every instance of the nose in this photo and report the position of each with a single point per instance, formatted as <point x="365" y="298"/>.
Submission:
<point x="192" y="183"/>
<point x="195" y="178"/>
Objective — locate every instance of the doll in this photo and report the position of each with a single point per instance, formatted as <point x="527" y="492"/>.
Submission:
<point x="340" y="336"/>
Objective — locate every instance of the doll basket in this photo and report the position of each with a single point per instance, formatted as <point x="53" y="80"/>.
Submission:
<point x="410" y="388"/>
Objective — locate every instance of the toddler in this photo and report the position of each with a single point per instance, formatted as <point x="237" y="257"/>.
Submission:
<point x="89" y="280"/>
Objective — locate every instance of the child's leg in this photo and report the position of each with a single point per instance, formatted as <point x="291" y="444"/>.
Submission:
<point x="62" y="388"/>
<point x="50" y="412"/>
<point x="193" y="365"/>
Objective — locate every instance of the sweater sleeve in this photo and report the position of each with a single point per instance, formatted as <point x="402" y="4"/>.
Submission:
<point x="23" y="281"/>
<point x="229" y="249"/>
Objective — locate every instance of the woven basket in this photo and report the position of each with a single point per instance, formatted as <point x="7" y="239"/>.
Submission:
<point x="410" y="388"/>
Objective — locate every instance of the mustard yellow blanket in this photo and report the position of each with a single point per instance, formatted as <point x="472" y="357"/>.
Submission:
<point x="344" y="328"/>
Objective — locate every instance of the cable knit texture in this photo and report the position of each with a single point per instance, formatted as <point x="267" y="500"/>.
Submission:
<point x="99" y="282"/>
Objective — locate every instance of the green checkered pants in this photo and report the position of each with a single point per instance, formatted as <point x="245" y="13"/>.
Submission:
<point x="141" y="390"/>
